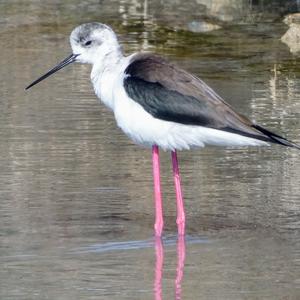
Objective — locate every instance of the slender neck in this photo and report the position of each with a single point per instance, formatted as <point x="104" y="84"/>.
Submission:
<point x="108" y="62"/>
<point x="112" y="57"/>
<point x="104" y="73"/>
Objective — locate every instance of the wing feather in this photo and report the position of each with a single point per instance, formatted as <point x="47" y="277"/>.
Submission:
<point x="170" y="93"/>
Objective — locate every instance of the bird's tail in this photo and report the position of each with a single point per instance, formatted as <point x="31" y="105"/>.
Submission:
<point x="275" y="138"/>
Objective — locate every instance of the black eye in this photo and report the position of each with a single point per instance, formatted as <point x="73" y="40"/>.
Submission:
<point x="87" y="43"/>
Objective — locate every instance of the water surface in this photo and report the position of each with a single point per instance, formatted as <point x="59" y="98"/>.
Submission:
<point x="76" y="203"/>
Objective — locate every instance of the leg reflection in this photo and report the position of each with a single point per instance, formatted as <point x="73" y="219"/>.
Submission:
<point x="159" y="261"/>
<point x="180" y="266"/>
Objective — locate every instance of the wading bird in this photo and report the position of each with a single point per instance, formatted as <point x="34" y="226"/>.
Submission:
<point x="158" y="104"/>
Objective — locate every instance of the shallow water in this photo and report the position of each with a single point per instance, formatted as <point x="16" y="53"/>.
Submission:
<point x="76" y="203"/>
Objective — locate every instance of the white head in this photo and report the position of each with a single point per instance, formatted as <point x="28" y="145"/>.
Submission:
<point x="91" y="43"/>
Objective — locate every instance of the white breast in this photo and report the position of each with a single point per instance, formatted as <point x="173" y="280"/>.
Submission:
<point x="103" y="85"/>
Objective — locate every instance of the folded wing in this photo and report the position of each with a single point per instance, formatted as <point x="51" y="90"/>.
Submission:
<point x="172" y="94"/>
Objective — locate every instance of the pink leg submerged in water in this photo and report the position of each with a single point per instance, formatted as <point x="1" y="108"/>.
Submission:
<point x="159" y="222"/>
<point x="179" y="198"/>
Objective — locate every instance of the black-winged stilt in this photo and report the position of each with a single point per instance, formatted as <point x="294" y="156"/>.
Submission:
<point x="157" y="104"/>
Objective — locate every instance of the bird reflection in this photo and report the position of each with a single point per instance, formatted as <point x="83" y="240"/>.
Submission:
<point x="158" y="245"/>
<point x="159" y="261"/>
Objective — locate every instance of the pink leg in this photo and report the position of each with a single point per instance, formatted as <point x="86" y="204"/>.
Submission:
<point x="159" y="222"/>
<point x="180" y="205"/>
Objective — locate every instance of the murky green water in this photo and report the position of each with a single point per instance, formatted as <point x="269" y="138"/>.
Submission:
<point x="76" y="203"/>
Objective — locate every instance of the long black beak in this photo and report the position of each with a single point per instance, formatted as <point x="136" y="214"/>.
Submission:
<point x="70" y="59"/>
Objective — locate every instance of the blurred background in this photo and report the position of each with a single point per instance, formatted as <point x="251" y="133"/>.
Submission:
<point x="75" y="192"/>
